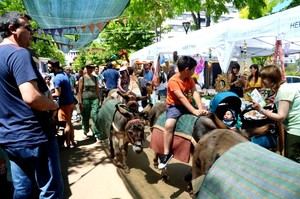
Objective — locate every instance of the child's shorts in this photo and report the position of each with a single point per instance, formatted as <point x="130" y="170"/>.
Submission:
<point x="175" y="112"/>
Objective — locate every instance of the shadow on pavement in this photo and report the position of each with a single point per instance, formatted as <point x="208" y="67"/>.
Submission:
<point x="79" y="161"/>
<point x="146" y="182"/>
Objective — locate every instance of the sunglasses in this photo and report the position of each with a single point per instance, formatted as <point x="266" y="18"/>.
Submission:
<point x="29" y="28"/>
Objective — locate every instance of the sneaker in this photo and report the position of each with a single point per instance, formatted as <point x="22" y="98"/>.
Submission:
<point x="163" y="160"/>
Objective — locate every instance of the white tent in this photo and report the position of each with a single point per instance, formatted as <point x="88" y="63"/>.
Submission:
<point x="261" y="34"/>
<point x="197" y="42"/>
<point x="227" y="39"/>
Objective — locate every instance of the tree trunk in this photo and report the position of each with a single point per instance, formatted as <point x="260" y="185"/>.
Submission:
<point x="199" y="19"/>
<point x="208" y="19"/>
<point x="196" y="21"/>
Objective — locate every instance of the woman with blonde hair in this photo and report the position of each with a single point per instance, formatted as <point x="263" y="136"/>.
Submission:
<point x="287" y="102"/>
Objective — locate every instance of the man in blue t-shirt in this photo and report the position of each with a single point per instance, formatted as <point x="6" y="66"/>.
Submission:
<point x="111" y="77"/>
<point x="63" y="91"/>
<point x="146" y="81"/>
<point x="26" y="132"/>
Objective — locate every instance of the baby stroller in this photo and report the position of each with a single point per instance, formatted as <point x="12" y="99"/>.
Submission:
<point x="252" y="119"/>
<point x="227" y="101"/>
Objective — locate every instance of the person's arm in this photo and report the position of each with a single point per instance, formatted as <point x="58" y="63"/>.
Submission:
<point x="259" y="83"/>
<point x="120" y="86"/>
<point x="80" y="90"/>
<point x="247" y="87"/>
<point x="180" y="96"/>
<point x="282" y="112"/>
<point x="229" y="79"/>
<point x="97" y="87"/>
<point x="197" y="99"/>
<point x="57" y="92"/>
<point x="57" y="88"/>
<point x="34" y="99"/>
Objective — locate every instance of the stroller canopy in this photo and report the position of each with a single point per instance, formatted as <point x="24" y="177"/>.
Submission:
<point x="224" y="101"/>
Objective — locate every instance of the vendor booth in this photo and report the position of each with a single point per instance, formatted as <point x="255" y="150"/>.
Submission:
<point x="234" y="38"/>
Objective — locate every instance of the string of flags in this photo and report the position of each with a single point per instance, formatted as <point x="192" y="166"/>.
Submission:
<point x="73" y="37"/>
<point x="59" y="44"/>
<point x="59" y="31"/>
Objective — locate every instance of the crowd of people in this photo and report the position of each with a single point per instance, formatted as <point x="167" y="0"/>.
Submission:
<point x="33" y="104"/>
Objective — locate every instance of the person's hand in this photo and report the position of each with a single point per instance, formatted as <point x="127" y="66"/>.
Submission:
<point x="256" y="106"/>
<point x="204" y="112"/>
<point x="199" y="112"/>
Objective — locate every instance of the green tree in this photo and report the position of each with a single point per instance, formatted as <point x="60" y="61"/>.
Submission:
<point x="123" y="34"/>
<point x="260" y="60"/>
<point x="294" y="4"/>
<point x="46" y="48"/>
<point x="11" y="5"/>
<point x="155" y="12"/>
<point x="80" y="60"/>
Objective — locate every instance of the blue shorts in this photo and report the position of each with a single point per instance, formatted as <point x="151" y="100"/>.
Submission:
<point x="175" y="112"/>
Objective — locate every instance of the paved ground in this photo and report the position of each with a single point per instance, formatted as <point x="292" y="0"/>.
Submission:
<point x="145" y="181"/>
<point x="88" y="173"/>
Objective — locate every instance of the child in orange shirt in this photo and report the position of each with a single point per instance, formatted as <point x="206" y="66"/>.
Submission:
<point x="180" y="92"/>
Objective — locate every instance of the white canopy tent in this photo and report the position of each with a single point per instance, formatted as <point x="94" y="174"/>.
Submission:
<point x="197" y="42"/>
<point x="261" y="34"/>
<point x="227" y="39"/>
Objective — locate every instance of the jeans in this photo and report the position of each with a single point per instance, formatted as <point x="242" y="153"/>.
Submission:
<point x="36" y="164"/>
<point x="267" y="141"/>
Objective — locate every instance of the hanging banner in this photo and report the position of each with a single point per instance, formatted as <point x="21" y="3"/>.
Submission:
<point x="279" y="57"/>
<point x="200" y="66"/>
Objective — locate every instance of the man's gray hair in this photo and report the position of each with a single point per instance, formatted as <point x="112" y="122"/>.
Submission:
<point x="10" y="18"/>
